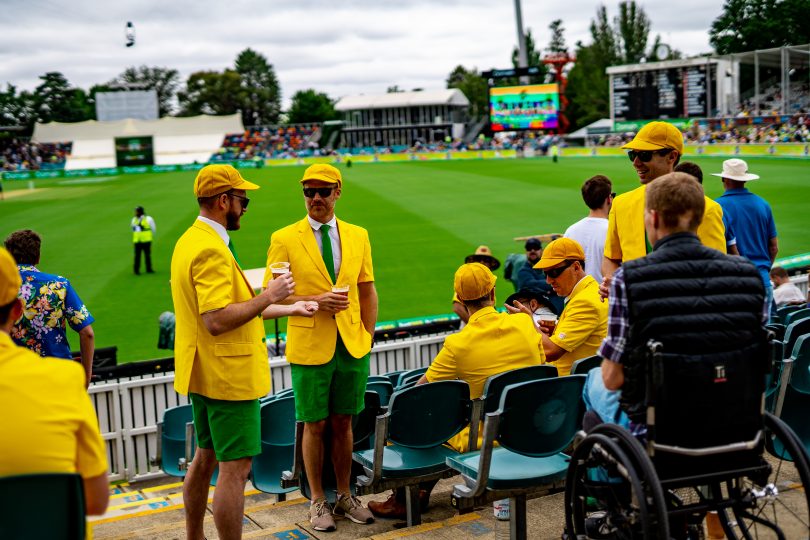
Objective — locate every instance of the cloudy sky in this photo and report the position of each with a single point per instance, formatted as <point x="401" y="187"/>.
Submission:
<point x="340" y="47"/>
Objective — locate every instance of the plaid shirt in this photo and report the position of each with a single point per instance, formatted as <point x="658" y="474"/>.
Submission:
<point x="613" y="346"/>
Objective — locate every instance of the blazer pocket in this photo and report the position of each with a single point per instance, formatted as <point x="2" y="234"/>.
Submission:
<point x="234" y="349"/>
<point x="307" y="322"/>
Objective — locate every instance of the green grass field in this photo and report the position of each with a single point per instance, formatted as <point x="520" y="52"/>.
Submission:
<point x="423" y="218"/>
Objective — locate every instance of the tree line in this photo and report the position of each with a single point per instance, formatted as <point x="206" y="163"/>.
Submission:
<point x="251" y="87"/>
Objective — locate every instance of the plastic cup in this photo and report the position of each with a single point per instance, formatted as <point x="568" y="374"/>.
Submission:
<point x="547" y="320"/>
<point x="279" y="269"/>
<point x="341" y="289"/>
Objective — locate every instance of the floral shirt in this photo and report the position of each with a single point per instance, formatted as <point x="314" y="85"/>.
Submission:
<point x="51" y="304"/>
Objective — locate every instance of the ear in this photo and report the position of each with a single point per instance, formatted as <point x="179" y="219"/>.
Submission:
<point x="337" y="193"/>
<point x="492" y="294"/>
<point x="17" y="310"/>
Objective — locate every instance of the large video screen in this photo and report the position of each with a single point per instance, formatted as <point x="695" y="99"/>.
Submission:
<point x="131" y="151"/>
<point x="531" y="106"/>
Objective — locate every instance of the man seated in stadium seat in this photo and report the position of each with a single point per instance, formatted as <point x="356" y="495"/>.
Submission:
<point x="590" y="231"/>
<point x="49" y="425"/>
<point x="644" y="296"/>
<point x="484" y="256"/>
<point x="533" y="278"/>
<point x="51" y="304"/>
<point x="491" y="343"/>
<point x="583" y="321"/>
<point x="785" y="293"/>
<point x="536" y="300"/>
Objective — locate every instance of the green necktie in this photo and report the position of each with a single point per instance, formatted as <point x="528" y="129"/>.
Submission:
<point x="233" y="252"/>
<point x="326" y="250"/>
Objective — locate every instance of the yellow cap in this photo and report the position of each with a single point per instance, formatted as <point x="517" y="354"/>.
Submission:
<point x="10" y="280"/>
<point x="657" y="136"/>
<point x="215" y="179"/>
<point x="323" y="172"/>
<point x="561" y="249"/>
<point x="473" y="281"/>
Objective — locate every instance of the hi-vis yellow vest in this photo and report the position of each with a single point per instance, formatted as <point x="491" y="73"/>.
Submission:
<point x="141" y="231"/>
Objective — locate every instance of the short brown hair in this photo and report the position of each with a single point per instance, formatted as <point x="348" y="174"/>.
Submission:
<point x="692" y="169"/>
<point x="678" y="198"/>
<point x="24" y="246"/>
<point x="595" y="190"/>
<point x="778" y="271"/>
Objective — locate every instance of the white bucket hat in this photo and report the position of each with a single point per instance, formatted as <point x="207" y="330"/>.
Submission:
<point x="736" y="169"/>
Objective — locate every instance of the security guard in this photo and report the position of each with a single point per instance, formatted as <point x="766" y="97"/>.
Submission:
<point x="143" y="229"/>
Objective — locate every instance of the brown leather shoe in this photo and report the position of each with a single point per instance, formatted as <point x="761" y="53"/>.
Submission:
<point x="390" y="508"/>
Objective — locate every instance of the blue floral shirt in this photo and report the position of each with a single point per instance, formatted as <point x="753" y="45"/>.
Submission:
<point x="51" y="304"/>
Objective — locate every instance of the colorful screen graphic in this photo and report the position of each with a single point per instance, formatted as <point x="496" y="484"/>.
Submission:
<point x="533" y="106"/>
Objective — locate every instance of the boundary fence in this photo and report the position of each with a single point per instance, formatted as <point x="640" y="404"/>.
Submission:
<point x="129" y="409"/>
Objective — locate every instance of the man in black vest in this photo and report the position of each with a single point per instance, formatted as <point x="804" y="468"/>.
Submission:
<point x="696" y="301"/>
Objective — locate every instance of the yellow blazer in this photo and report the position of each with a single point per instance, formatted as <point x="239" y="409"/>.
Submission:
<point x="231" y="366"/>
<point x="311" y="341"/>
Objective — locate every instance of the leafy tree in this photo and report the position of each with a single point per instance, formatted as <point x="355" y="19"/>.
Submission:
<point x="534" y="59"/>
<point x="633" y="29"/>
<point x="472" y="85"/>
<point x="747" y="25"/>
<point x="311" y="106"/>
<point x="162" y="80"/>
<point x="260" y="94"/>
<point x="16" y="109"/>
<point x="54" y="100"/>
<point x="210" y="92"/>
<point x="557" y="43"/>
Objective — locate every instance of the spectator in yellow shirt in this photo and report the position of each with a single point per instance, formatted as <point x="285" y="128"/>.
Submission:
<point x="655" y="151"/>
<point x="489" y="344"/>
<point x="583" y="322"/>
<point x="50" y="425"/>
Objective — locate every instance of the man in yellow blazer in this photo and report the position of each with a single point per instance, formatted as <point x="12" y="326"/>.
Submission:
<point x="655" y="151"/>
<point x="329" y="353"/>
<point x="220" y="356"/>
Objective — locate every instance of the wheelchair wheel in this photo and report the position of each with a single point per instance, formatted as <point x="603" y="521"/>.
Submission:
<point x="606" y="497"/>
<point x="778" y="506"/>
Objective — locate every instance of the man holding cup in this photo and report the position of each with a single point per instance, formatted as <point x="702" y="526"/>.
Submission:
<point x="329" y="353"/>
<point x="583" y="322"/>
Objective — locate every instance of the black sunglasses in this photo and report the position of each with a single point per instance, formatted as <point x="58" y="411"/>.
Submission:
<point x="554" y="273"/>
<point x="646" y="155"/>
<point x="613" y="195"/>
<point x="244" y="200"/>
<point x="324" y="192"/>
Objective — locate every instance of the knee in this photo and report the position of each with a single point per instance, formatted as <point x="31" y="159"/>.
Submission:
<point x="341" y="422"/>
<point x="240" y="468"/>
<point x="315" y="429"/>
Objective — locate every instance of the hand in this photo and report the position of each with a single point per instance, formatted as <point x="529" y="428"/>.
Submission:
<point x="604" y="287"/>
<point x="331" y="302"/>
<point x="304" y="308"/>
<point x="279" y="288"/>
<point x="547" y="327"/>
<point x="518" y="308"/>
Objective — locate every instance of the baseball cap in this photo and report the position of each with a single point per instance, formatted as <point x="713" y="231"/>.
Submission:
<point x="323" y="172"/>
<point x="529" y="293"/>
<point x="657" y="136"/>
<point x="10" y="280"/>
<point x="533" y="243"/>
<point x="561" y="249"/>
<point x="216" y="179"/>
<point x="473" y="280"/>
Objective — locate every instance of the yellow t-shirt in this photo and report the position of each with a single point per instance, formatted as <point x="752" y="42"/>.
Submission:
<point x="582" y="325"/>
<point x="625" y="239"/>
<point x="48" y="423"/>
<point x="491" y="343"/>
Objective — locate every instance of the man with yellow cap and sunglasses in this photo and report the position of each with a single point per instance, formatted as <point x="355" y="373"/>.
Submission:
<point x="50" y="425"/>
<point x="655" y="151"/>
<point x="490" y="343"/>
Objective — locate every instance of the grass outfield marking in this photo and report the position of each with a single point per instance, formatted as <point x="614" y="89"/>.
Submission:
<point x="18" y="193"/>
<point x="93" y="180"/>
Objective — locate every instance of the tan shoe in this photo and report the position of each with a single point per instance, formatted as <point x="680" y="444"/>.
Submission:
<point x="320" y="515"/>
<point x="350" y="506"/>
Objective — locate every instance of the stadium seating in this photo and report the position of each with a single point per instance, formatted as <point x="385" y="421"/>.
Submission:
<point x="173" y="451"/>
<point x="584" y="365"/>
<point x="794" y="401"/>
<point x="534" y="423"/>
<point x="797" y="315"/>
<point x="42" y="506"/>
<point x="783" y="311"/>
<point x="383" y="388"/>
<point x="409" y="440"/>
<point x="408" y="374"/>
<point x="278" y="446"/>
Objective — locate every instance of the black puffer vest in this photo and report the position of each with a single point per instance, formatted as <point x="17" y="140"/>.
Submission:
<point x="705" y="308"/>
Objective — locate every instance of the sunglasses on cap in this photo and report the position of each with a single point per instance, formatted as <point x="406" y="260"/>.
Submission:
<point x="646" y="155"/>
<point x="324" y="192"/>
<point x="554" y="273"/>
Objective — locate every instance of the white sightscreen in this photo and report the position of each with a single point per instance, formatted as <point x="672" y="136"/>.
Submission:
<point x="137" y="104"/>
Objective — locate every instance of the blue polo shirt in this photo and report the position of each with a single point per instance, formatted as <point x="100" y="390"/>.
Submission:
<point x="751" y="219"/>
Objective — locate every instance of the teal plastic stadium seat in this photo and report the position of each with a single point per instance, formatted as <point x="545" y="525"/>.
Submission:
<point x="409" y="374"/>
<point x="797" y="315"/>
<point x="797" y="397"/>
<point x="278" y="446"/>
<point x="513" y="471"/>
<point x="383" y="388"/>
<point x="493" y="388"/>
<point x="403" y="462"/>
<point x="173" y="439"/>
<point x="584" y="365"/>
<point x="782" y="312"/>
<point x="376" y="378"/>
<point x="793" y="333"/>
<point x="46" y="506"/>
<point x="393" y="376"/>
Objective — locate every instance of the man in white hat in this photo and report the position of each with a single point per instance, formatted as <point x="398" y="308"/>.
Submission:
<point x="750" y="217"/>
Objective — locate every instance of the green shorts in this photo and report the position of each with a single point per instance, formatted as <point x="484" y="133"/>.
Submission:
<point x="231" y="428"/>
<point x="337" y="387"/>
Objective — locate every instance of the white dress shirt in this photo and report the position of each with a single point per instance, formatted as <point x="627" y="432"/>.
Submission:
<point x="337" y="254"/>
<point x="218" y="228"/>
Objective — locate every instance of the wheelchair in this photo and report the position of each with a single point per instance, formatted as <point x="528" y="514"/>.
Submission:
<point x="709" y="448"/>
